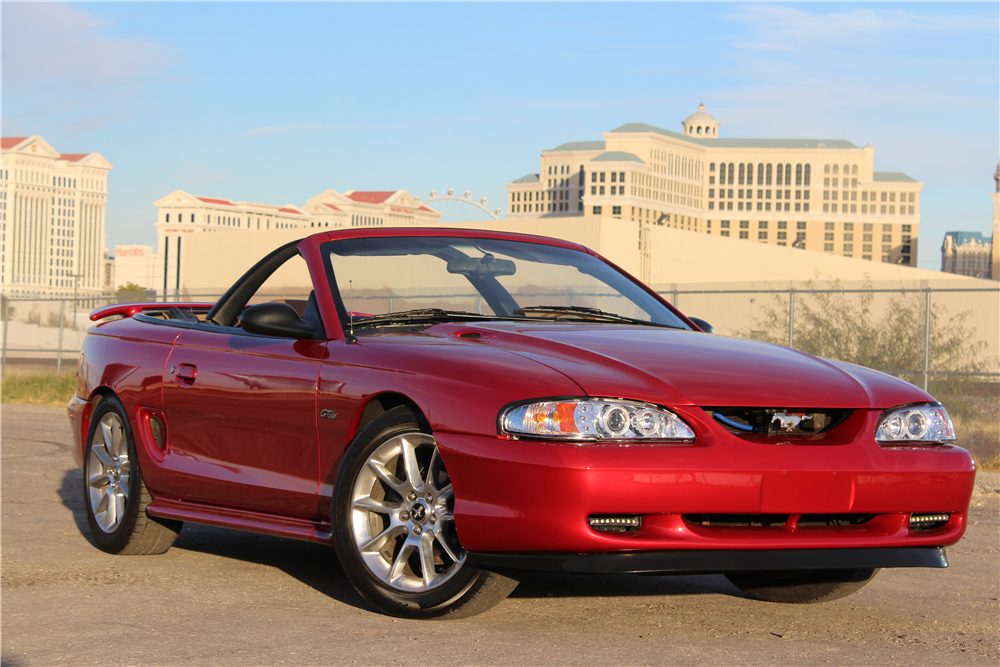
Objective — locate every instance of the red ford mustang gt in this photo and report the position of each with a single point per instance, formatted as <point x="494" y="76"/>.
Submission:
<point x="447" y="407"/>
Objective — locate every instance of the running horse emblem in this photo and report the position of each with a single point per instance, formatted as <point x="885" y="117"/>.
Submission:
<point x="788" y="422"/>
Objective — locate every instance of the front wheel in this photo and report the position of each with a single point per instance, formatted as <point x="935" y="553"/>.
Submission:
<point x="802" y="587"/>
<point x="393" y="509"/>
<point x="113" y="491"/>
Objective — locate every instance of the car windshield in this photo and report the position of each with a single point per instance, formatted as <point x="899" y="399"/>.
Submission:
<point x="484" y="277"/>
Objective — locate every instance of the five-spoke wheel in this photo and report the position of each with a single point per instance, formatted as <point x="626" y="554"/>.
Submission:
<point x="108" y="472"/>
<point x="113" y="491"/>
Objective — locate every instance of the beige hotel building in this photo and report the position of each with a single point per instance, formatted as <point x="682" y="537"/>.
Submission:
<point x="181" y="214"/>
<point x="52" y="208"/>
<point x="822" y="195"/>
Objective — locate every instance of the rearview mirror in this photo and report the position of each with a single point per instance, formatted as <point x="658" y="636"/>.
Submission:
<point x="487" y="265"/>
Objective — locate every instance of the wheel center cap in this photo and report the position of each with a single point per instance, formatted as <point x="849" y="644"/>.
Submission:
<point x="418" y="512"/>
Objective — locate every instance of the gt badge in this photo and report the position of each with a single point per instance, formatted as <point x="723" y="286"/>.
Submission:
<point x="328" y="414"/>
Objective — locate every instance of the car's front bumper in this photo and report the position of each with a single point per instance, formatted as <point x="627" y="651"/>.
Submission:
<point x="523" y="496"/>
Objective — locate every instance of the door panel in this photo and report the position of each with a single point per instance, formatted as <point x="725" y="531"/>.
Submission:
<point x="241" y="414"/>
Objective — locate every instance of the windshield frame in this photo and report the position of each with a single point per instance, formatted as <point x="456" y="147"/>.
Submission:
<point x="442" y="241"/>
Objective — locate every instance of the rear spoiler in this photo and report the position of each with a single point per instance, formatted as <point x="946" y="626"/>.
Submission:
<point x="130" y="309"/>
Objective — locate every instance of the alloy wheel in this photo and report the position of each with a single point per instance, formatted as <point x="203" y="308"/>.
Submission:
<point x="108" y="471"/>
<point x="402" y="515"/>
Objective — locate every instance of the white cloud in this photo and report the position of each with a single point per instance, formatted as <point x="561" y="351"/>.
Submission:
<point x="283" y="129"/>
<point x="786" y="28"/>
<point x="196" y="173"/>
<point x="51" y="46"/>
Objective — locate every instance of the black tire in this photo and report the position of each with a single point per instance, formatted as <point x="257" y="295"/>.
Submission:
<point x="805" y="587"/>
<point x="114" y="494"/>
<point x="384" y="532"/>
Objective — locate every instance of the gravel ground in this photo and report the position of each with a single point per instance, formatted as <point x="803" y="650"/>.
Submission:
<point x="221" y="597"/>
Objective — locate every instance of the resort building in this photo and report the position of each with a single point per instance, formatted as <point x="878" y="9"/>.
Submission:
<point x="52" y="208"/>
<point x="822" y="195"/>
<point x="133" y="264"/>
<point x="180" y="214"/>
<point x="971" y="253"/>
<point x="967" y="254"/>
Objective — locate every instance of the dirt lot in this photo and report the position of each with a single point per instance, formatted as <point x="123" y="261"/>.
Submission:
<point x="226" y="598"/>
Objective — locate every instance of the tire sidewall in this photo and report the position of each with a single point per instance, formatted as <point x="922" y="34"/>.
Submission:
<point x="809" y="587"/>
<point x="390" y="424"/>
<point x="115" y="541"/>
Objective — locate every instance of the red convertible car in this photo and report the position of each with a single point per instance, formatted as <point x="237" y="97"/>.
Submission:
<point x="448" y="407"/>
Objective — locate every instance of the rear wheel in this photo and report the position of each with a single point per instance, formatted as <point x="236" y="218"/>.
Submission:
<point x="113" y="491"/>
<point x="802" y="587"/>
<point x="395" y="527"/>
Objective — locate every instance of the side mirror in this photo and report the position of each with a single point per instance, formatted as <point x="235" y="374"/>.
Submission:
<point x="277" y="319"/>
<point x="703" y="325"/>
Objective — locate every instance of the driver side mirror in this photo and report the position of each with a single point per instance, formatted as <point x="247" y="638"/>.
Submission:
<point x="277" y="319"/>
<point x="703" y="325"/>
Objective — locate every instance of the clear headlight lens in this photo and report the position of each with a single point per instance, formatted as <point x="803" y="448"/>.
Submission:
<point x="922" y="423"/>
<point x="594" y="419"/>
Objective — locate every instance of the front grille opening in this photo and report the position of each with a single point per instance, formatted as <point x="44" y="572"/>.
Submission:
<point x="833" y="519"/>
<point x="615" y="523"/>
<point x="744" y="520"/>
<point x="780" y="520"/>
<point x="928" y="521"/>
<point x="778" y="422"/>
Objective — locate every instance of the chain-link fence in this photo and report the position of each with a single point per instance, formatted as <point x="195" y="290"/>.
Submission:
<point x="917" y="334"/>
<point x="914" y="333"/>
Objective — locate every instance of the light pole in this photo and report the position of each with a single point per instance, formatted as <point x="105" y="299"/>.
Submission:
<point x="76" y="283"/>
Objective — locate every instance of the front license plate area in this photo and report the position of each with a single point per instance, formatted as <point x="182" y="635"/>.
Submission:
<point x="798" y="492"/>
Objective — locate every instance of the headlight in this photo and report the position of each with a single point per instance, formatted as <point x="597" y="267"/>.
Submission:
<point x="922" y="423"/>
<point x="594" y="419"/>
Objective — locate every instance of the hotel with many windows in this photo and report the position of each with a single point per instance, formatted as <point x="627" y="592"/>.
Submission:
<point x="52" y="209"/>
<point x="971" y="253"/>
<point x="817" y="194"/>
<point x="180" y="214"/>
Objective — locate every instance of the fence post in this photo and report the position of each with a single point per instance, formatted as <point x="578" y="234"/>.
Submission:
<point x="927" y="335"/>
<point x="6" y="318"/>
<point x="676" y="297"/>
<point x="791" y="316"/>
<point x="62" y="325"/>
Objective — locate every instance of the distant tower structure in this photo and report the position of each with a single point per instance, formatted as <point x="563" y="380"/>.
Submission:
<point x="994" y="251"/>
<point x="701" y="124"/>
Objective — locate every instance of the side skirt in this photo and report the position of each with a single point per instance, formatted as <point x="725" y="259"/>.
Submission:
<point x="246" y="520"/>
<point x="712" y="562"/>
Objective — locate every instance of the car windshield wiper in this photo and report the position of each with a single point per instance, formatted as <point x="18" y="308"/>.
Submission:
<point x="588" y="314"/>
<point x="420" y="316"/>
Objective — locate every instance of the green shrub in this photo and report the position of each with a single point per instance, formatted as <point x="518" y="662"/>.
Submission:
<point x="37" y="388"/>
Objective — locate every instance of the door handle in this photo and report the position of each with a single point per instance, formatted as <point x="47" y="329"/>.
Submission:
<point x="186" y="373"/>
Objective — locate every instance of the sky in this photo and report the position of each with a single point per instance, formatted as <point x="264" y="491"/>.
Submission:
<point x="277" y="102"/>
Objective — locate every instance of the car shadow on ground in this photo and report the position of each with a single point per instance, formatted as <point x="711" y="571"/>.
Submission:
<point x="71" y="495"/>
<point x="316" y="565"/>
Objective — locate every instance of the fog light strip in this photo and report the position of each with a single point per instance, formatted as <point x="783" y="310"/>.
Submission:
<point x="614" y="521"/>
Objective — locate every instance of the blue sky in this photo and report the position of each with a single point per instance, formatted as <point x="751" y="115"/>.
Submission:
<point x="277" y="102"/>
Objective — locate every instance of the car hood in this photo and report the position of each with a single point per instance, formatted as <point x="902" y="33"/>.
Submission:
<point x="685" y="367"/>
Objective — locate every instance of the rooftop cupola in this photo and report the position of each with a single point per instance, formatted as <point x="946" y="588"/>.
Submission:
<point x="701" y="124"/>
